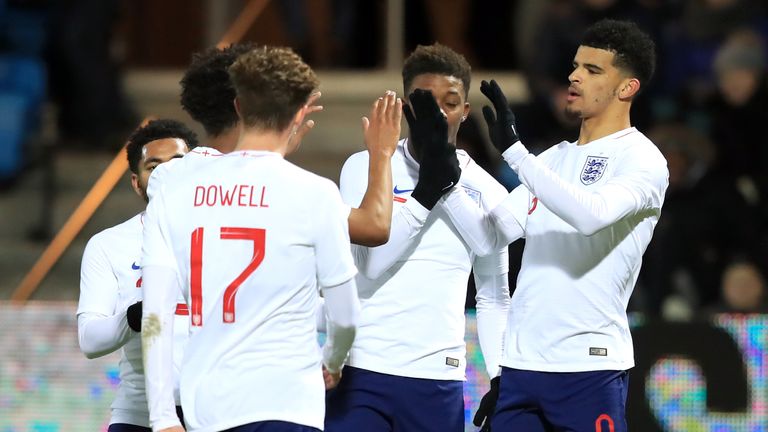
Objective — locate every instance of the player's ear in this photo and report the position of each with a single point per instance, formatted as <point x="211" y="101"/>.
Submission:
<point x="466" y="112"/>
<point x="629" y="88"/>
<point x="135" y="185"/>
<point x="237" y="107"/>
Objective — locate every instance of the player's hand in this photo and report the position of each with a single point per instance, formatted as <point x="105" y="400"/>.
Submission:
<point x="382" y="129"/>
<point x="487" y="406"/>
<point x="331" y="379"/>
<point x="173" y="429"/>
<point x="439" y="168"/>
<point x="133" y="316"/>
<point x="501" y="126"/>
<point x="307" y="126"/>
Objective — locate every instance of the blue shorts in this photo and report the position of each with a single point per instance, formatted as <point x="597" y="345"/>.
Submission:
<point x="552" y="401"/>
<point x="375" y="402"/>
<point x="272" y="426"/>
<point x="124" y="427"/>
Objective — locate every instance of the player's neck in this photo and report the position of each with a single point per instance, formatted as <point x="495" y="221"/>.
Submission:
<point x="226" y="141"/>
<point x="607" y="123"/>
<point x="262" y="140"/>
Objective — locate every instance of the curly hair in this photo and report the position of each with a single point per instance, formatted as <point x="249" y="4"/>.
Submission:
<point x="634" y="51"/>
<point x="436" y="59"/>
<point x="206" y="91"/>
<point x="272" y="84"/>
<point x="153" y="131"/>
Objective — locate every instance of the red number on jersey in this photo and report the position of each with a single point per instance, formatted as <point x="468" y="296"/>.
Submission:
<point x="256" y="235"/>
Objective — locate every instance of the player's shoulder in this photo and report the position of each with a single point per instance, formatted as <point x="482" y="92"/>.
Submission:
<point x="637" y="147"/>
<point x="193" y="159"/>
<point x="118" y="234"/>
<point x="551" y="151"/>
<point x="178" y="167"/>
<point x="307" y="179"/>
<point x="360" y="157"/>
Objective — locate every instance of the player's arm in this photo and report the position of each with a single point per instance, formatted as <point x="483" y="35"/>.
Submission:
<point x="343" y="309"/>
<point x="493" y="303"/>
<point x="488" y="231"/>
<point x="160" y="291"/>
<point x="102" y="323"/>
<point x="369" y="224"/>
<point x="589" y="211"/>
<point x="637" y="188"/>
<point x="335" y="271"/>
<point x="406" y="226"/>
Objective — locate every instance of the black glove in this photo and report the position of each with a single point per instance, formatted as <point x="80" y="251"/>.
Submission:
<point x="133" y="316"/>
<point x="438" y="166"/>
<point x="487" y="406"/>
<point x="501" y="127"/>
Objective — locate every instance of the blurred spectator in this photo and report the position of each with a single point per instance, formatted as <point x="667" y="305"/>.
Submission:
<point x="321" y="30"/>
<point x="85" y="79"/>
<point x="482" y="31"/>
<point x="743" y="290"/>
<point x="691" y="44"/>
<point x="704" y="224"/>
<point x="23" y="81"/>
<point x="738" y="113"/>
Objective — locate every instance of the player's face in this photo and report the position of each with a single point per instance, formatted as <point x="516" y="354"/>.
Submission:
<point x="449" y="94"/>
<point x="153" y="154"/>
<point x="595" y="83"/>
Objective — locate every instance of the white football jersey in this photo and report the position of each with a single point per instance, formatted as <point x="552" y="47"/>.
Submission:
<point x="251" y="237"/>
<point x="110" y="281"/>
<point x="568" y="313"/>
<point x="412" y="311"/>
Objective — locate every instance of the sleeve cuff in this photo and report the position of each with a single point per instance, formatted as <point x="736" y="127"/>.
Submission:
<point x="515" y="154"/>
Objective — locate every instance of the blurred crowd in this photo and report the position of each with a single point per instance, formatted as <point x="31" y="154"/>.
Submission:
<point x="705" y="108"/>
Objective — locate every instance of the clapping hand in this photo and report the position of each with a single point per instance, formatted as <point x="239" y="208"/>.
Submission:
<point x="439" y="168"/>
<point x="501" y="125"/>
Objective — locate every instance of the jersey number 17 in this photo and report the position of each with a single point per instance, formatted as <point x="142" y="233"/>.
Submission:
<point x="256" y="235"/>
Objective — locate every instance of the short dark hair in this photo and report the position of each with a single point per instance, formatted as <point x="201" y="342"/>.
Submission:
<point x="634" y="51"/>
<point x="436" y="59"/>
<point x="155" y="130"/>
<point x="272" y="84"/>
<point x="207" y="95"/>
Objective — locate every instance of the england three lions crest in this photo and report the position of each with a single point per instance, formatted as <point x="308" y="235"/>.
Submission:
<point x="593" y="170"/>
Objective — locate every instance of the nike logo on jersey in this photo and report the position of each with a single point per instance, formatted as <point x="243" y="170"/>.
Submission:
<point x="135" y="266"/>
<point x="449" y="186"/>
<point x="399" y="191"/>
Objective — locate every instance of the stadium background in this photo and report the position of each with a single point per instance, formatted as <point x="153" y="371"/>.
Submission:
<point x="693" y="374"/>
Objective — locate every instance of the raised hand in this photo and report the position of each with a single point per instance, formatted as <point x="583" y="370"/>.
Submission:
<point x="382" y="129"/>
<point x="501" y="126"/>
<point x="307" y="126"/>
<point x="439" y="168"/>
